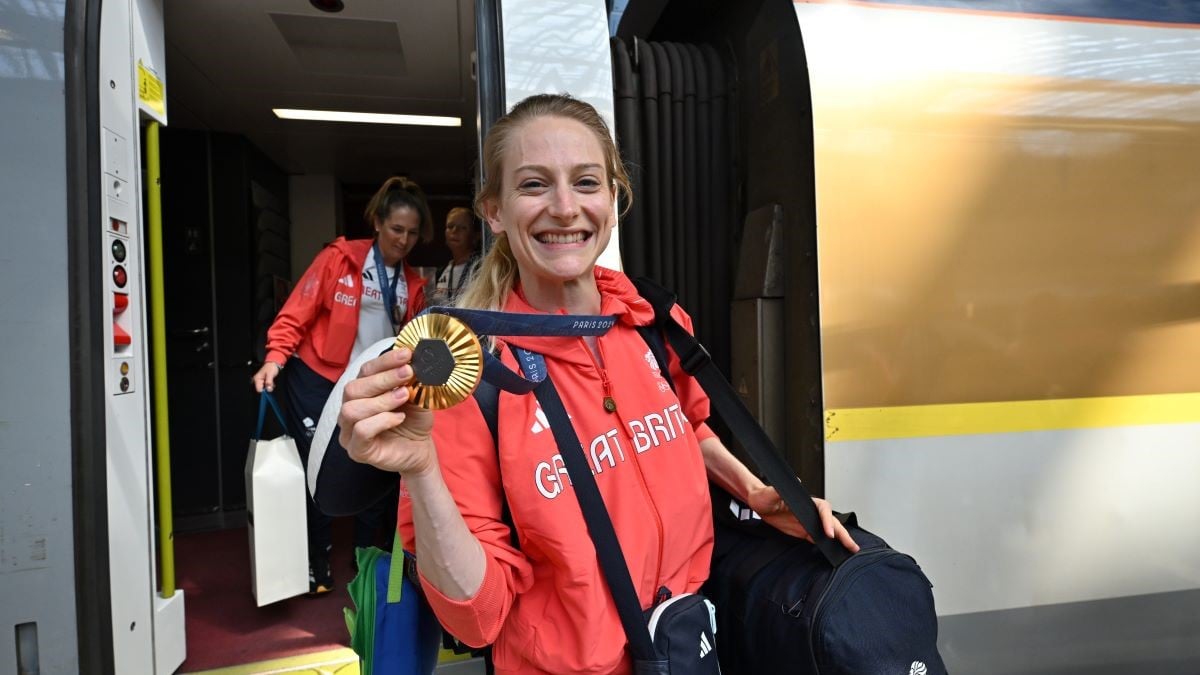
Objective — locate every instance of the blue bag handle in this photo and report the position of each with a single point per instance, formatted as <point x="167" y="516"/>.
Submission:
<point x="263" y="400"/>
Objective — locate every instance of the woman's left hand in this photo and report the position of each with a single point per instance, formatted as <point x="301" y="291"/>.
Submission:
<point x="766" y="502"/>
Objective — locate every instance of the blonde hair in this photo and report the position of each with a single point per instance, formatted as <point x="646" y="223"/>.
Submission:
<point x="396" y="192"/>
<point x="459" y="211"/>
<point x="498" y="274"/>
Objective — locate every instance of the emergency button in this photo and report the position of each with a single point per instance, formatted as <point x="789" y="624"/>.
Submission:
<point x="120" y="302"/>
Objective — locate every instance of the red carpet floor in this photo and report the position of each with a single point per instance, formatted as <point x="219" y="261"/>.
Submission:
<point x="225" y="628"/>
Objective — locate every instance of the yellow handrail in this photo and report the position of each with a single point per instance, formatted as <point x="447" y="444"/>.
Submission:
<point x="158" y="337"/>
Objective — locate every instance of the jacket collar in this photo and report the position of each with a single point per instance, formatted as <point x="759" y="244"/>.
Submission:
<point x="618" y="298"/>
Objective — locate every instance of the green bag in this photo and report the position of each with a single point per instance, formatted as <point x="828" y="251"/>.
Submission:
<point x="388" y="624"/>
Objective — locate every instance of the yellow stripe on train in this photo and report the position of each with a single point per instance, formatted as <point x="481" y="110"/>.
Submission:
<point x="859" y="424"/>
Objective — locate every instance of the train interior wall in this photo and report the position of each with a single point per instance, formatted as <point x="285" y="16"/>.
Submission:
<point x="761" y="163"/>
<point x="232" y="220"/>
<point x="226" y="260"/>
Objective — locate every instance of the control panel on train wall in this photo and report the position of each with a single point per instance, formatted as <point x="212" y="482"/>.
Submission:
<point x="147" y="627"/>
<point x="120" y="251"/>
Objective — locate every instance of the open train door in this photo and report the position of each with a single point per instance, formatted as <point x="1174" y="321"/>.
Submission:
<point x="528" y="47"/>
<point x="79" y="571"/>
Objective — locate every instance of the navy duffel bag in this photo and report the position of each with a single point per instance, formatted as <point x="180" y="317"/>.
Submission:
<point x="782" y="608"/>
<point x="785" y="605"/>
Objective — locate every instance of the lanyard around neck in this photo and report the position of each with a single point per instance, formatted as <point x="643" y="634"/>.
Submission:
<point x="451" y="287"/>
<point x="389" y="291"/>
<point x="504" y="324"/>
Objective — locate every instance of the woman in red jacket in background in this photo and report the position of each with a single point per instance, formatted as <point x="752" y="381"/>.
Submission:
<point x="355" y="293"/>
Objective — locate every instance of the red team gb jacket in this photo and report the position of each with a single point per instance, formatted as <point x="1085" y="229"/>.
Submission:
<point x="546" y="606"/>
<point x="320" y="318"/>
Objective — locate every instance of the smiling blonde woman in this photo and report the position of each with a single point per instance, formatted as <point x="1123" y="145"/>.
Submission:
<point x="553" y="174"/>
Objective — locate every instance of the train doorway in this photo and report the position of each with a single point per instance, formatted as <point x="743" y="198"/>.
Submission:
<point x="249" y="198"/>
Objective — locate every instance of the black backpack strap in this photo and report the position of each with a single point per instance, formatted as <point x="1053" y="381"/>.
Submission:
<point x="487" y="395"/>
<point x="599" y="525"/>
<point x="653" y="337"/>
<point x="661" y="299"/>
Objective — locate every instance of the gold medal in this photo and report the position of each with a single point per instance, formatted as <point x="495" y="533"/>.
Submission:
<point x="447" y="360"/>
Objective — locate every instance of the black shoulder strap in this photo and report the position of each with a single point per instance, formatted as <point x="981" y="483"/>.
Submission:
<point x="661" y="300"/>
<point x="599" y="524"/>
<point x="487" y="395"/>
<point x="653" y="337"/>
<point x="697" y="362"/>
<point x="659" y="297"/>
<point x="608" y="549"/>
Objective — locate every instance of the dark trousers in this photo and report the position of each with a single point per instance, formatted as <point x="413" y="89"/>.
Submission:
<point x="304" y="392"/>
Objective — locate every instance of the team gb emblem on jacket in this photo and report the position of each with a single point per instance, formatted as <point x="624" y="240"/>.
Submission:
<point x="653" y="363"/>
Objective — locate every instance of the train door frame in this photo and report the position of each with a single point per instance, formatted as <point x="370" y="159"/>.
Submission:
<point x="109" y="413"/>
<point x="88" y="484"/>
<point x="489" y="73"/>
<point x="89" y="307"/>
<point x="531" y="34"/>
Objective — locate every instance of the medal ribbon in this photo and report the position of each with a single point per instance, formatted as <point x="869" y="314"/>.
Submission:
<point x="501" y="324"/>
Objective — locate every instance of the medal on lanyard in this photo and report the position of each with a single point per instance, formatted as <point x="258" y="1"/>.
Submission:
<point x="448" y="360"/>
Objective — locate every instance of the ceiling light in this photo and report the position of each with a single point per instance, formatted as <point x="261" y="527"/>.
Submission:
<point x="367" y="118"/>
<point x="328" y="5"/>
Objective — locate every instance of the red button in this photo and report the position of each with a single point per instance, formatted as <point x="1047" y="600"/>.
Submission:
<point x="120" y="337"/>
<point x="120" y="278"/>
<point x="120" y="302"/>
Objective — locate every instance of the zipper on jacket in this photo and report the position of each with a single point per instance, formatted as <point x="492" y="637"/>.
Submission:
<point x="610" y="404"/>
<point x="658" y="525"/>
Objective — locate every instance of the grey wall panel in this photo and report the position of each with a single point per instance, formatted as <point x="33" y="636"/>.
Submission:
<point x="37" y="568"/>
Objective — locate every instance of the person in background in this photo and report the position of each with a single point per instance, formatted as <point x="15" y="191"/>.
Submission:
<point x="553" y="175"/>
<point x="355" y="293"/>
<point x="463" y="235"/>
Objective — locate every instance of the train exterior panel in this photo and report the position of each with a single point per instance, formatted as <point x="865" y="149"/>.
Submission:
<point x="1009" y="268"/>
<point x="1009" y="275"/>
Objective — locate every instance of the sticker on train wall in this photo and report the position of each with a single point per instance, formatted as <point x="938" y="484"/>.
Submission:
<point x="150" y="90"/>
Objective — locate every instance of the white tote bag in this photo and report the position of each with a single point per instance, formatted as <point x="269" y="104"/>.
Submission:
<point x="276" y="514"/>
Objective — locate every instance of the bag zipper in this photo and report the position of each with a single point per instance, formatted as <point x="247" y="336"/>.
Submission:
<point x="834" y="585"/>
<point x="661" y="596"/>
<point x="658" y="611"/>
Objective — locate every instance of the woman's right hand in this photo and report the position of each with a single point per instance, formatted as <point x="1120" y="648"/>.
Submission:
<point x="265" y="377"/>
<point x="379" y="426"/>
